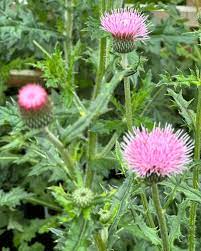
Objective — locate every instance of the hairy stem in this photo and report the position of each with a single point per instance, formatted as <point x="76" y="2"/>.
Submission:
<point x="92" y="137"/>
<point x="99" y="75"/>
<point x="161" y="217"/>
<point x="193" y="208"/>
<point x="102" y="56"/>
<point x="81" y="233"/>
<point x="148" y="215"/>
<point x="44" y="203"/>
<point x="127" y="93"/>
<point x="68" y="28"/>
<point x="129" y="120"/>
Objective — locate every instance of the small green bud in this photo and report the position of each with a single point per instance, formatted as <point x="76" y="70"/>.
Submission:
<point x="105" y="216"/>
<point x="83" y="197"/>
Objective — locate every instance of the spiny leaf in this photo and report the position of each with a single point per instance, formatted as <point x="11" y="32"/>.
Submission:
<point x="140" y="230"/>
<point x="183" y="105"/>
<point x="97" y="107"/>
<point x="175" y="222"/>
<point x="13" y="197"/>
<point x="121" y="201"/>
<point x="191" y="193"/>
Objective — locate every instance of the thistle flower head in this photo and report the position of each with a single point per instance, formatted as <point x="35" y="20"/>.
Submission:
<point x="126" y="27"/>
<point x="32" y="97"/>
<point x="161" y="152"/>
<point x="34" y="105"/>
<point x="83" y="197"/>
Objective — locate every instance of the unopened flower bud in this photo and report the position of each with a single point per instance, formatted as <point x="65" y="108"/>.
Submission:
<point x="35" y="106"/>
<point x="83" y="197"/>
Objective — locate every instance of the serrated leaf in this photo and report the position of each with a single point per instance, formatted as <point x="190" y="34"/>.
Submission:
<point x="175" y="222"/>
<point x="97" y="107"/>
<point x="140" y="230"/>
<point x="13" y="197"/>
<point x="190" y="193"/>
<point x="183" y="105"/>
<point x="76" y="240"/>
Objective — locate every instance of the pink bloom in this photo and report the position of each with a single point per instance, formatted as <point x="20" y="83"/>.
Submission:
<point x="32" y="97"/>
<point x="125" y="24"/>
<point x="161" y="151"/>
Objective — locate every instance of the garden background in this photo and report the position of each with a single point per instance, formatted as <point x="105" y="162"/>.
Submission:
<point x="59" y="44"/>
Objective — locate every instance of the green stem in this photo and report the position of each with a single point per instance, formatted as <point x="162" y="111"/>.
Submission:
<point x="92" y="137"/>
<point x="161" y="217"/>
<point x="127" y="93"/>
<point x="109" y="4"/>
<point x="41" y="48"/>
<point x="37" y="201"/>
<point x="145" y="204"/>
<point x="102" y="56"/>
<point x="82" y="232"/>
<point x="193" y="208"/>
<point x="129" y="120"/>
<point x="69" y="165"/>
<point x="68" y="26"/>
<point x="100" y="72"/>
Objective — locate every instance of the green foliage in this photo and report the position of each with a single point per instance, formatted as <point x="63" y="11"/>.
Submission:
<point x="20" y="25"/>
<point x="35" y="169"/>
<point x="13" y="197"/>
<point x="140" y="230"/>
<point x="183" y="105"/>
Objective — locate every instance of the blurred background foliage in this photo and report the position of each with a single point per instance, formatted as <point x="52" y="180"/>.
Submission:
<point x="171" y="48"/>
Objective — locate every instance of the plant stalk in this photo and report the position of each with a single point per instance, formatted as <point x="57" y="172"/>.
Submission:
<point x="148" y="215"/>
<point x="193" y="208"/>
<point x="161" y="217"/>
<point x="100" y="72"/>
<point x="92" y="137"/>
<point x="127" y="93"/>
<point x="68" y="26"/>
<point x="129" y="121"/>
<point x="102" y="56"/>
<point x="37" y="201"/>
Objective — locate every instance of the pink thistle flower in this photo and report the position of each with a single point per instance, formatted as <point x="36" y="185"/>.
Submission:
<point x="35" y="107"/>
<point x="126" y="27"/>
<point x="161" y="152"/>
<point x="32" y="97"/>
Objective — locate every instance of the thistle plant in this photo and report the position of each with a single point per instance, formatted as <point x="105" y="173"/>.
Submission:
<point x="98" y="194"/>
<point x="155" y="155"/>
